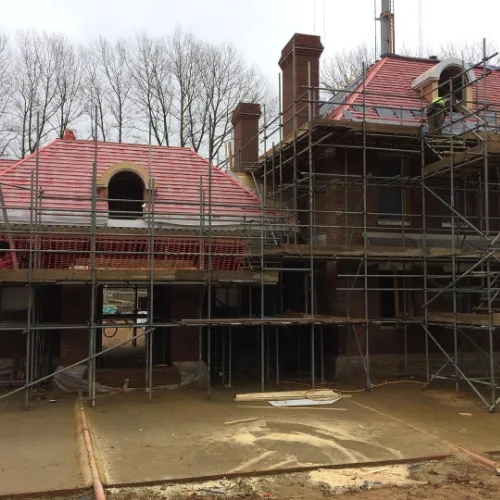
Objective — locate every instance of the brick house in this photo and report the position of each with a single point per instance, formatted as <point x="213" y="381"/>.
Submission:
<point x="400" y="212"/>
<point x="48" y="276"/>
<point x="365" y="239"/>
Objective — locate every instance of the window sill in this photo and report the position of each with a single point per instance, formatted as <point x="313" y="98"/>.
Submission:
<point x="133" y="223"/>
<point x="384" y="222"/>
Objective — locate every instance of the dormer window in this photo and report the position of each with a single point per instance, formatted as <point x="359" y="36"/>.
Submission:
<point x="458" y="83"/>
<point x="126" y="187"/>
<point x="125" y="195"/>
<point x="435" y="82"/>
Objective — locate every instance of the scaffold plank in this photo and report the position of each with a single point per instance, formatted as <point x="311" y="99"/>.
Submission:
<point x="134" y="275"/>
<point x="275" y="320"/>
<point x="472" y="319"/>
<point x="373" y="252"/>
<point x="460" y="160"/>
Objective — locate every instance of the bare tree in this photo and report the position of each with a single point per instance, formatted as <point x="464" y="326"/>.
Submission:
<point x="152" y="88"/>
<point x="68" y="85"/>
<point x="227" y="80"/>
<point x="181" y="87"/>
<point x="35" y="85"/>
<point x="93" y="92"/>
<point x="344" y="67"/>
<point x="6" y="89"/>
<point x="111" y="61"/>
<point x="469" y="52"/>
<point x="186" y="58"/>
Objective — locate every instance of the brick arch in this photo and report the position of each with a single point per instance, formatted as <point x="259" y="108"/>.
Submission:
<point x="124" y="166"/>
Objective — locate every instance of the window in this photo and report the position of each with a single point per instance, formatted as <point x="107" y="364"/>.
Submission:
<point x="126" y="196"/>
<point x="460" y="206"/>
<point x="458" y="83"/>
<point x="395" y="298"/>
<point x="391" y="194"/>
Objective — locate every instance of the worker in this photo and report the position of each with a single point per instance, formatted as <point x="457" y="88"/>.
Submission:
<point x="436" y="113"/>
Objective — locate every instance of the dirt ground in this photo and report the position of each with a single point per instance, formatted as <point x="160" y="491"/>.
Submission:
<point x="454" y="478"/>
<point x="181" y="439"/>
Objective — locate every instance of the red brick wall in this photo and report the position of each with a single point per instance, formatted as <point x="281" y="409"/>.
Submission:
<point x="343" y="204"/>
<point x="245" y="121"/>
<point x="75" y="310"/>
<point x="184" y="341"/>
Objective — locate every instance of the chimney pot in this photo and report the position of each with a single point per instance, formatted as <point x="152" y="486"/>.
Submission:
<point x="69" y="135"/>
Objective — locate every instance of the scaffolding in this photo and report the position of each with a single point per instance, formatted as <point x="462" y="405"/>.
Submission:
<point x="351" y="249"/>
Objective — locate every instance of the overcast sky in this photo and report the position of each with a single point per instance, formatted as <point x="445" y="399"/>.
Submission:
<point x="259" y="28"/>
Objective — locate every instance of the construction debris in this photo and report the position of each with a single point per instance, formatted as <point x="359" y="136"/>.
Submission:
<point x="313" y="395"/>
<point x="303" y="402"/>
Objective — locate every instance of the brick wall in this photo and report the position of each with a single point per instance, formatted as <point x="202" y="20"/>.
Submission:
<point x="75" y="310"/>
<point x="342" y="205"/>
<point x="184" y="341"/>
<point x="295" y="56"/>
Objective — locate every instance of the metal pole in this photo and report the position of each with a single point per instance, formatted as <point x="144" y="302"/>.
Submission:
<point x="209" y="280"/>
<point x="294" y="91"/>
<point x="151" y="227"/>
<point x="201" y="266"/>
<point x="280" y="126"/>
<point x="27" y="363"/>
<point x="311" y="227"/>
<point x="92" y="330"/>
<point x="322" y="355"/>
<point x="230" y="347"/>
<point x="487" y="231"/>
<point x="223" y="371"/>
<point x="277" y="358"/>
<point x="453" y="248"/>
<point x="262" y="299"/>
<point x="365" y="239"/>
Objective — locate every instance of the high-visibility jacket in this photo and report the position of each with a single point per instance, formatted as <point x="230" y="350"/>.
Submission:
<point x="441" y="101"/>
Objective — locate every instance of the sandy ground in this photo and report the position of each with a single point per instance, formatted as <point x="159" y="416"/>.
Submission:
<point x="181" y="439"/>
<point x="182" y="435"/>
<point x="39" y="449"/>
<point x="455" y="478"/>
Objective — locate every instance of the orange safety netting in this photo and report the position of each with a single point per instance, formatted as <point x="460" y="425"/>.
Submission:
<point x="61" y="252"/>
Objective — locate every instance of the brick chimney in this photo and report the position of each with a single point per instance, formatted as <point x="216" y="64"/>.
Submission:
<point x="245" y="121"/>
<point x="294" y="63"/>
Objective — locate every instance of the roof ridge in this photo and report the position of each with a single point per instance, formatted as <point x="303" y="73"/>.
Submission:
<point x="234" y="181"/>
<point x="114" y="143"/>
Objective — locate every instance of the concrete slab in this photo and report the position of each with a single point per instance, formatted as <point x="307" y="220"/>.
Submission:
<point x="182" y="435"/>
<point x="39" y="448"/>
<point x="456" y="417"/>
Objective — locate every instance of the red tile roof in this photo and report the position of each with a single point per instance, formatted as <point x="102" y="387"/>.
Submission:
<point x="6" y="162"/>
<point x="65" y="177"/>
<point x="391" y="79"/>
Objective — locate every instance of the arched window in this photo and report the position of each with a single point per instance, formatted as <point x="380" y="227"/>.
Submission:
<point x="458" y="82"/>
<point x="126" y="195"/>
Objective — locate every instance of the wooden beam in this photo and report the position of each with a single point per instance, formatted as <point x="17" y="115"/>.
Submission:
<point x="472" y="319"/>
<point x="143" y="274"/>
